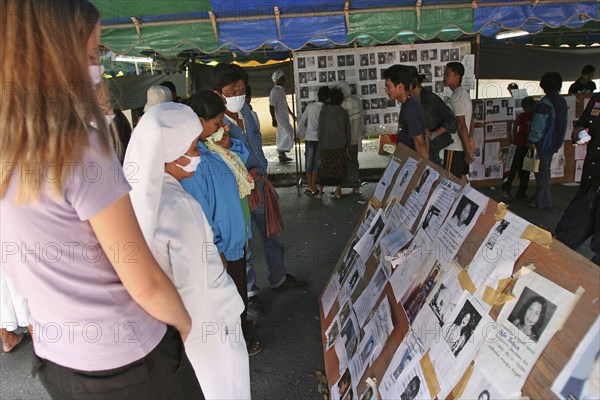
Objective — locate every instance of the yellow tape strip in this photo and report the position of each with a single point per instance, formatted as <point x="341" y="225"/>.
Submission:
<point x="430" y="376"/>
<point x="500" y="212"/>
<point x="495" y="297"/>
<point x="376" y="203"/>
<point x="538" y="236"/>
<point x="466" y="283"/>
<point x="459" y="389"/>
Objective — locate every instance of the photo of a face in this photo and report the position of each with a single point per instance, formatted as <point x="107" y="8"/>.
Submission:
<point x="381" y="58"/>
<point x="424" y="55"/>
<point x="403" y="56"/>
<point x="364" y="60"/>
<point x="433" y="54"/>
<point x="373" y="88"/>
<point x="366" y="104"/>
<point x="302" y="77"/>
<point x="330" y="62"/>
<point x="310" y="62"/>
<point x="459" y="333"/>
<point x="353" y="88"/>
<point x="322" y="77"/>
<point x="454" y="55"/>
<point x="531" y="315"/>
<point x="331" y="76"/>
<point x="364" y="90"/>
<point x="350" y="60"/>
<point x="372" y="74"/>
<point x="412" y="55"/>
<point x="445" y="55"/>
<point x="304" y="93"/>
<point x="362" y="75"/>
<point x="311" y="76"/>
<point x="341" y="60"/>
<point x="371" y="58"/>
<point x="301" y="62"/>
<point x="322" y="61"/>
<point x="464" y="212"/>
<point x="341" y="75"/>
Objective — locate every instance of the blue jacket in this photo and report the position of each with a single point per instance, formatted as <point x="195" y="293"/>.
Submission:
<point x="215" y="188"/>
<point x="251" y="138"/>
<point x="549" y="123"/>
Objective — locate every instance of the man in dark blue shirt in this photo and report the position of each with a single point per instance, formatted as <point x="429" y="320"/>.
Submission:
<point x="399" y="83"/>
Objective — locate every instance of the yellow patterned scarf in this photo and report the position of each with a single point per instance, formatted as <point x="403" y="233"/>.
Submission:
<point x="244" y="180"/>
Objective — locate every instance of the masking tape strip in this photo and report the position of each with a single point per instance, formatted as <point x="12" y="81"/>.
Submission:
<point x="578" y="293"/>
<point x="538" y="236"/>
<point x="495" y="297"/>
<point x="430" y="376"/>
<point x="503" y="283"/>
<point x="376" y="203"/>
<point x="466" y="283"/>
<point x="460" y="387"/>
<point x="524" y="271"/>
<point x="500" y="212"/>
<point x="372" y="383"/>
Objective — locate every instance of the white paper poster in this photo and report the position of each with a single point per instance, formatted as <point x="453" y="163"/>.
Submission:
<point x="492" y="152"/>
<point x="410" y="349"/>
<point x="523" y="329"/>
<point x="437" y="208"/>
<point x="463" y="335"/>
<point x="403" y="178"/>
<point x="406" y="267"/>
<point x="479" y="143"/>
<point x="580" y="151"/>
<point x="410" y="385"/>
<point x="386" y="179"/>
<point x="330" y="295"/>
<point x="580" y="378"/>
<point x="496" y="130"/>
<point x="365" y="244"/>
<point x="499" y="110"/>
<point x="495" y="259"/>
<point x="578" y="170"/>
<point x="480" y="387"/>
<point x="368" y="298"/>
<point x="416" y="200"/>
<point x="460" y="221"/>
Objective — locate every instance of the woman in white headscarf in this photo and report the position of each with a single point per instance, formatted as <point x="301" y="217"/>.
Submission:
<point x="163" y="149"/>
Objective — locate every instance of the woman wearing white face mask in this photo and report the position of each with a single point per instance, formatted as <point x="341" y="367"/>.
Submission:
<point x="163" y="146"/>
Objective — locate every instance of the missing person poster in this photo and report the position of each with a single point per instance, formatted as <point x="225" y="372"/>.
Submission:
<point x="523" y="329"/>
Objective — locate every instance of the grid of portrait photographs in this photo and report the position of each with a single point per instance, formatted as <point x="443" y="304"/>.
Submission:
<point x="362" y="68"/>
<point x="443" y="303"/>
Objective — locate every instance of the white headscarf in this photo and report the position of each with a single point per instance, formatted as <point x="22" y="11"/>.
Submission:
<point x="163" y="135"/>
<point x="275" y="76"/>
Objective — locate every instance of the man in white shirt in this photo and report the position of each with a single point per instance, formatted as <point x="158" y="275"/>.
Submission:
<point x="459" y="154"/>
<point x="280" y="113"/>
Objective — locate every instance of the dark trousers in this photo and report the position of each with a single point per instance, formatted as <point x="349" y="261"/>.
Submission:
<point x="237" y="271"/>
<point x="165" y="373"/>
<point x="581" y="220"/>
<point x="543" y="196"/>
<point x="517" y="166"/>
<point x="454" y="162"/>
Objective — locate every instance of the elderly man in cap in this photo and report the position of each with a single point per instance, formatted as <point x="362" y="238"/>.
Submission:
<point x="280" y="114"/>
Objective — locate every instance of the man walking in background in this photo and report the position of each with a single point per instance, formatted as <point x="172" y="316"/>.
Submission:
<point x="280" y="113"/>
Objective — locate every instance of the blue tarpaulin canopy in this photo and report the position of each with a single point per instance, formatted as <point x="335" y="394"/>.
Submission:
<point x="173" y="27"/>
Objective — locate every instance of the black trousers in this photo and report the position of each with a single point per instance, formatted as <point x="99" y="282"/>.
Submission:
<point x="517" y="167"/>
<point x="581" y="220"/>
<point x="165" y="373"/>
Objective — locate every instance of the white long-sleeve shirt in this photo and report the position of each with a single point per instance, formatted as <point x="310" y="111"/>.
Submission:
<point x="309" y="121"/>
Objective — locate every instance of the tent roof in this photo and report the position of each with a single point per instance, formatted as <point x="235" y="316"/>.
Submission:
<point x="173" y="27"/>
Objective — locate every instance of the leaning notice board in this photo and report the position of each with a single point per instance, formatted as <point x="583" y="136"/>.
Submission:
<point x="443" y="293"/>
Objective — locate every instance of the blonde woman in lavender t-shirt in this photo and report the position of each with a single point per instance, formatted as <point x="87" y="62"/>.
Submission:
<point x="99" y="303"/>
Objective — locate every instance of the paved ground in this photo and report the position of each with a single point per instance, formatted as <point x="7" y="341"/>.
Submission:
<point x="315" y="235"/>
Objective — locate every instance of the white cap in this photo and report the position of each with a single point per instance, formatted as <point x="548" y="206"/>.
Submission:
<point x="277" y="75"/>
<point x="156" y="95"/>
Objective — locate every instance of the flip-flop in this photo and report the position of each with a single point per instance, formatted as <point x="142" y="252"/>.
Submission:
<point x="254" y="347"/>
<point x="309" y="192"/>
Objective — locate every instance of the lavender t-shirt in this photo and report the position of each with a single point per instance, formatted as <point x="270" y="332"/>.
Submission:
<point x="82" y="316"/>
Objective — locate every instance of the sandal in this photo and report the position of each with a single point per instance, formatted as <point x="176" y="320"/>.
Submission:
<point x="254" y="347"/>
<point x="356" y="191"/>
<point x="309" y="192"/>
<point x="13" y="348"/>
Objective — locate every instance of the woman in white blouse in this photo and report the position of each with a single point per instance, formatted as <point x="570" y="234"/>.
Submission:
<point x="163" y="149"/>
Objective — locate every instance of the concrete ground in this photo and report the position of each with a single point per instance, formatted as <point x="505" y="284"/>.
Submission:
<point x="315" y="234"/>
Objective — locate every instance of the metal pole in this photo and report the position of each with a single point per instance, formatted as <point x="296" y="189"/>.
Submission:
<point x="297" y="149"/>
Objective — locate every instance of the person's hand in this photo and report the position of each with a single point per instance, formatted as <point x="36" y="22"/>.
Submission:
<point x="575" y="134"/>
<point x="469" y="157"/>
<point x="274" y="123"/>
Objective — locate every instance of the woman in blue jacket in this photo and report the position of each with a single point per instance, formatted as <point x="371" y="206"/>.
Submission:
<point x="221" y="185"/>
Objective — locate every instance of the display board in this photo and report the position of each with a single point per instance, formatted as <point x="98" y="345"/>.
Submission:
<point x="443" y="293"/>
<point x="362" y="68"/>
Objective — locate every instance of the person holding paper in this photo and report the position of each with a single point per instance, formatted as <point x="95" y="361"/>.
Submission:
<point x="581" y="218"/>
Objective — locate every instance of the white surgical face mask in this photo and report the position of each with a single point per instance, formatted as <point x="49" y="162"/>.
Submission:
<point x="235" y="104"/>
<point x="96" y="72"/>
<point x="192" y="165"/>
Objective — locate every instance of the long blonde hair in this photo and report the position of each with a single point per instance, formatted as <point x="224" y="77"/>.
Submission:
<point x="48" y="100"/>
